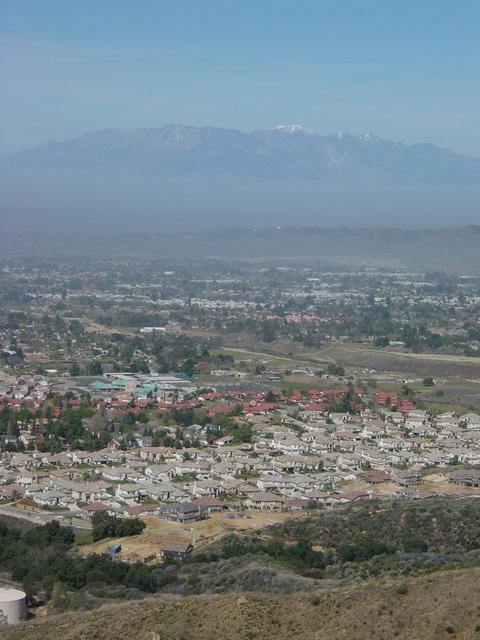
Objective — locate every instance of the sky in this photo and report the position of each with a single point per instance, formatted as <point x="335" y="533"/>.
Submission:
<point x="406" y="71"/>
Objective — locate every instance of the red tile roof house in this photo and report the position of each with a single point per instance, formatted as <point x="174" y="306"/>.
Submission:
<point x="259" y="409"/>
<point x="384" y="398"/>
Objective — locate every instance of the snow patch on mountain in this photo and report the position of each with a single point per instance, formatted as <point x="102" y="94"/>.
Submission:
<point x="293" y="128"/>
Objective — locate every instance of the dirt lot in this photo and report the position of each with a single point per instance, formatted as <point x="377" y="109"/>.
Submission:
<point x="159" y="531"/>
<point x="432" y="483"/>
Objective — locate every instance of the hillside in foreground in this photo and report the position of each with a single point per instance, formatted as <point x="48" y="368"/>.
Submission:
<point x="441" y="605"/>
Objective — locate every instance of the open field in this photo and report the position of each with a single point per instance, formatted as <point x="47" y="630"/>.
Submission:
<point x="449" y="395"/>
<point x="415" y="364"/>
<point x="358" y="355"/>
<point x="430" y="607"/>
<point x="200" y="333"/>
<point x="273" y="360"/>
<point x="92" y="326"/>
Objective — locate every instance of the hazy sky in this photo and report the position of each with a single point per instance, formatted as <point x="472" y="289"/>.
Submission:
<point x="404" y="70"/>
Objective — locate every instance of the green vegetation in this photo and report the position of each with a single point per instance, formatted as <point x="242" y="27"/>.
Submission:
<point x="42" y="558"/>
<point x="360" y="541"/>
<point x="83" y="536"/>
<point x="105" y="526"/>
<point x="438" y="525"/>
<point x="336" y="370"/>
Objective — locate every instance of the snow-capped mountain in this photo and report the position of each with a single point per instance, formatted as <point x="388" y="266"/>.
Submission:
<point x="282" y="152"/>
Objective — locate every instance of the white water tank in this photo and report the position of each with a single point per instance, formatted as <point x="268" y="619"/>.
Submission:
<point x="12" y="606"/>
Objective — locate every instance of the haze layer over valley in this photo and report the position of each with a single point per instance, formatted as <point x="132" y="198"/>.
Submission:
<point x="181" y="177"/>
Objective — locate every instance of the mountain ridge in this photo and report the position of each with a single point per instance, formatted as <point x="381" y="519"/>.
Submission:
<point x="282" y="152"/>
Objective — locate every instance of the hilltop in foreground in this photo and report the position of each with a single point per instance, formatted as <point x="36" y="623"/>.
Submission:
<point x="442" y="605"/>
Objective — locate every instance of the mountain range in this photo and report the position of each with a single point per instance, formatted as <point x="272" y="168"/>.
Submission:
<point x="283" y="152"/>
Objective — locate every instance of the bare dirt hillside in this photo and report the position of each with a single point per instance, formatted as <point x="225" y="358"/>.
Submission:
<point x="431" y="607"/>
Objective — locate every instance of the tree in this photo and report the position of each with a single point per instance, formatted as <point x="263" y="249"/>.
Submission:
<point x="271" y="397"/>
<point x="267" y="331"/>
<point x="105" y="526"/>
<point x="75" y="370"/>
<point x="187" y="367"/>
<point x="335" y="369"/>
<point x="95" y="368"/>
